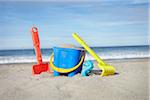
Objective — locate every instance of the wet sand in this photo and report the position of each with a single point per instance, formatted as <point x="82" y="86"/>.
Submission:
<point x="131" y="83"/>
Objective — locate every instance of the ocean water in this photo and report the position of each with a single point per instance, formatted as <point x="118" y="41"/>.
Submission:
<point x="123" y="52"/>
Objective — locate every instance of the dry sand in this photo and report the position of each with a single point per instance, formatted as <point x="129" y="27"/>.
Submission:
<point x="17" y="83"/>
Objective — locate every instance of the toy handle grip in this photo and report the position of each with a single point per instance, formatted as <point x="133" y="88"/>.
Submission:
<point x="63" y="70"/>
<point x="36" y="43"/>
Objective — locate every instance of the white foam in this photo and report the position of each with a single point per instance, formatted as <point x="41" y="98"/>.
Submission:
<point x="30" y="59"/>
<point x="6" y="60"/>
<point x="104" y="53"/>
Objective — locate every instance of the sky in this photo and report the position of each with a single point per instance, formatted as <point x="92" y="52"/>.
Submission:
<point x="98" y="22"/>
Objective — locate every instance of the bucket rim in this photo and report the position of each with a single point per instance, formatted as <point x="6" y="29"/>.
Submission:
<point x="78" y="49"/>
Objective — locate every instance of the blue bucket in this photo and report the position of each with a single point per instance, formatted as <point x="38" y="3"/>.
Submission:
<point x="68" y="58"/>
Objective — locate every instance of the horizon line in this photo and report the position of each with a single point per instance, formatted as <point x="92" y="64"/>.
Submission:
<point x="81" y="47"/>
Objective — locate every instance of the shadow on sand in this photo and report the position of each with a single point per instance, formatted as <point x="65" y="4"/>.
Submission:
<point x="98" y="72"/>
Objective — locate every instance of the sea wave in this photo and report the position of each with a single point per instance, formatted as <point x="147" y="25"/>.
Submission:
<point x="28" y="56"/>
<point x="31" y="59"/>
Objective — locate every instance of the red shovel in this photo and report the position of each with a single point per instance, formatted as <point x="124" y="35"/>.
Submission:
<point x="40" y="66"/>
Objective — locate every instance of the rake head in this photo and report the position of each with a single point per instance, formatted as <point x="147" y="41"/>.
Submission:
<point x="107" y="70"/>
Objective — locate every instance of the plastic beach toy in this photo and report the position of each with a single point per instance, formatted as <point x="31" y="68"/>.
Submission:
<point x="40" y="66"/>
<point x="67" y="61"/>
<point x="87" y="67"/>
<point x="106" y="69"/>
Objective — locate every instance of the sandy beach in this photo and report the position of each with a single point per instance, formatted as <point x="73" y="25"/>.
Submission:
<point x="131" y="83"/>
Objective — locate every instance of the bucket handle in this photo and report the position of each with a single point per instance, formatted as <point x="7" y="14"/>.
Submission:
<point x="63" y="70"/>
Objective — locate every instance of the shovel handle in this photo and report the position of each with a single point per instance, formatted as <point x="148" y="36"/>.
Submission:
<point x="36" y="43"/>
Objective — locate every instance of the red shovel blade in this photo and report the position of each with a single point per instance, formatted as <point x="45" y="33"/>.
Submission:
<point x="37" y="69"/>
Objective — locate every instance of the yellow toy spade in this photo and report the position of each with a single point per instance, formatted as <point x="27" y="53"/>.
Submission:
<point x="106" y="69"/>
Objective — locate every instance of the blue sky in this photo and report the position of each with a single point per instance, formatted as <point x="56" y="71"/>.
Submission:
<point x="99" y="23"/>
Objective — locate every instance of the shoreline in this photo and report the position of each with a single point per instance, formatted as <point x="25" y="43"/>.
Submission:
<point x="107" y="60"/>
